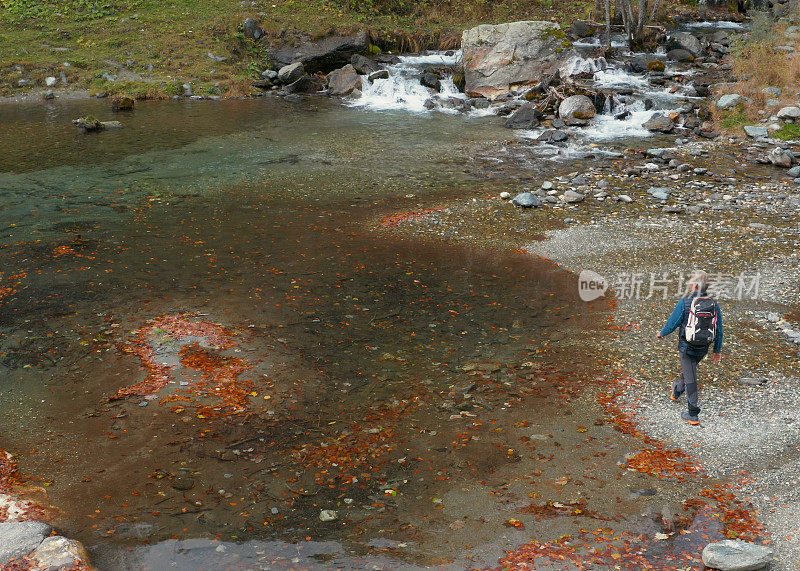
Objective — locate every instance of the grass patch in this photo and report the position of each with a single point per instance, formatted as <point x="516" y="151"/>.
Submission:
<point x="733" y="119"/>
<point x="789" y="132"/>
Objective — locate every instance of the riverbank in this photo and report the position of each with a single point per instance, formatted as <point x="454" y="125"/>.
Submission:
<point x="746" y="223"/>
<point x="151" y="49"/>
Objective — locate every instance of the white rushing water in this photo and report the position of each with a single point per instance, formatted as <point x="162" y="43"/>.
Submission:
<point x="402" y="90"/>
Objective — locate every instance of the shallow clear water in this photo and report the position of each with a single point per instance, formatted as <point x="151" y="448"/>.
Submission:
<point x="267" y="218"/>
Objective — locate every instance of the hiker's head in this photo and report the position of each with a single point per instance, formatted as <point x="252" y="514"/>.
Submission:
<point x="698" y="281"/>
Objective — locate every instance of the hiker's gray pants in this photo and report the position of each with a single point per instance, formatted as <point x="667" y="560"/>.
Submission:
<point x="688" y="381"/>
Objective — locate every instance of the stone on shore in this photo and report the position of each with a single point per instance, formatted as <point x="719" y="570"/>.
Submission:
<point x="526" y="200"/>
<point x="50" y="81"/>
<point x="291" y="73"/>
<point x="780" y="158"/>
<point x="755" y="132"/>
<point x="58" y="552"/>
<point x="736" y="555"/>
<point x="573" y="196"/>
<point x="792" y="113"/>
<point x="576" y="110"/>
<point x="20" y="538"/>
<point x="325" y="55"/>
<point x="729" y="101"/>
<point x="499" y="58"/>
<point x="342" y="82"/>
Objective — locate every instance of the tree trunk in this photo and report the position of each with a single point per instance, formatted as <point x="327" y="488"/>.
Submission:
<point x="607" y="4"/>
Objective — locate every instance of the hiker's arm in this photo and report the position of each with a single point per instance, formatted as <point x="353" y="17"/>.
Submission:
<point x="674" y="320"/>
<point x="718" y="340"/>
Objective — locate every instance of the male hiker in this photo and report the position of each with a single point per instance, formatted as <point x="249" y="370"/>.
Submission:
<point x="700" y="320"/>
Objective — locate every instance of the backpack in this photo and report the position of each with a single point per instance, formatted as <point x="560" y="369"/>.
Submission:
<point x="701" y="325"/>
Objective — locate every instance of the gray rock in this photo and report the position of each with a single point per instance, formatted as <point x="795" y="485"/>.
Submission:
<point x="573" y="196"/>
<point x="780" y="158"/>
<point x="792" y="113"/>
<point x="576" y="109"/>
<point x="343" y="82"/>
<point x="306" y="84"/>
<point x="775" y="92"/>
<point x="685" y="41"/>
<point x="526" y="117"/>
<point x="325" y="55"/>
<point x="48" y="94"/>
<point x="56" y="553"/>
<point x="729" y="101"/>
<point x="659" y="123"/>
<point x="50" y="81"/>
<point x="625" y="198"/>
<point x="526" y="200"/>
<point x="558" y="136"/>
<point x="252" y="30"/>
<point x="680" y="55"/>
<point x="364" y="65"/>
<point x="490" y="71"/>
<point x="382" y="74"/>
<point x="270" y="74"/>
<point x="736" y="555"/>
<point x="547" y="185"/>
<point x="20" y="538"/>
<point x="216" y="58"/>
<point x="430" y="81"/>
<point x="755" y="132"/>
<point x="659" y="193"/>
<point x="793" y="172"/>
<point x="773" y="317"/>
<point x="187" y="90"/>
<point x="752" y="381"/>
<point x="291" y="73"/>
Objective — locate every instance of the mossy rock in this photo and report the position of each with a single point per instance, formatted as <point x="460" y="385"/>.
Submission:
<point x="121" y="102"/>
<point x="656" y="65"/>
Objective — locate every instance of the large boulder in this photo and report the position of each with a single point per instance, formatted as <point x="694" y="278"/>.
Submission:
<point x="19" y="538"/>
<point x="736" y="555"/>
<point x="685" y="41"/>
<point x="342" y="82"/>
<point x="502" y="57"/>
<point x="576" y="110"/>
<point x="323" y="56"/>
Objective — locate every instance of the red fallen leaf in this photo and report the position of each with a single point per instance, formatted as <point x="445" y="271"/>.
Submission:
<point x="515" y="523"/>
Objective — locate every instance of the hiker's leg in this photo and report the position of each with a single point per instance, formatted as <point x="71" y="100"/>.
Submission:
<point x="679" y="386"/>
<point x="689" y="366"/>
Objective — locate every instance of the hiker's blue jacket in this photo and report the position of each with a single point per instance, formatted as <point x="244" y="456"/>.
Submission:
<point x="680" y="317"/>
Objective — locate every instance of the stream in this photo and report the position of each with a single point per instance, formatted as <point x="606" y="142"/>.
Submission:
<point x="389" y="381"/>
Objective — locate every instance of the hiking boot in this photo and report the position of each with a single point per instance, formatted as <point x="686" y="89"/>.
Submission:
<point x="692" y="419"/>
<point x="675" y="395"/>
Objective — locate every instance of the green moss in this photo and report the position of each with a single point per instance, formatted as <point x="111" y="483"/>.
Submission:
<point x="789" y="132"/>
